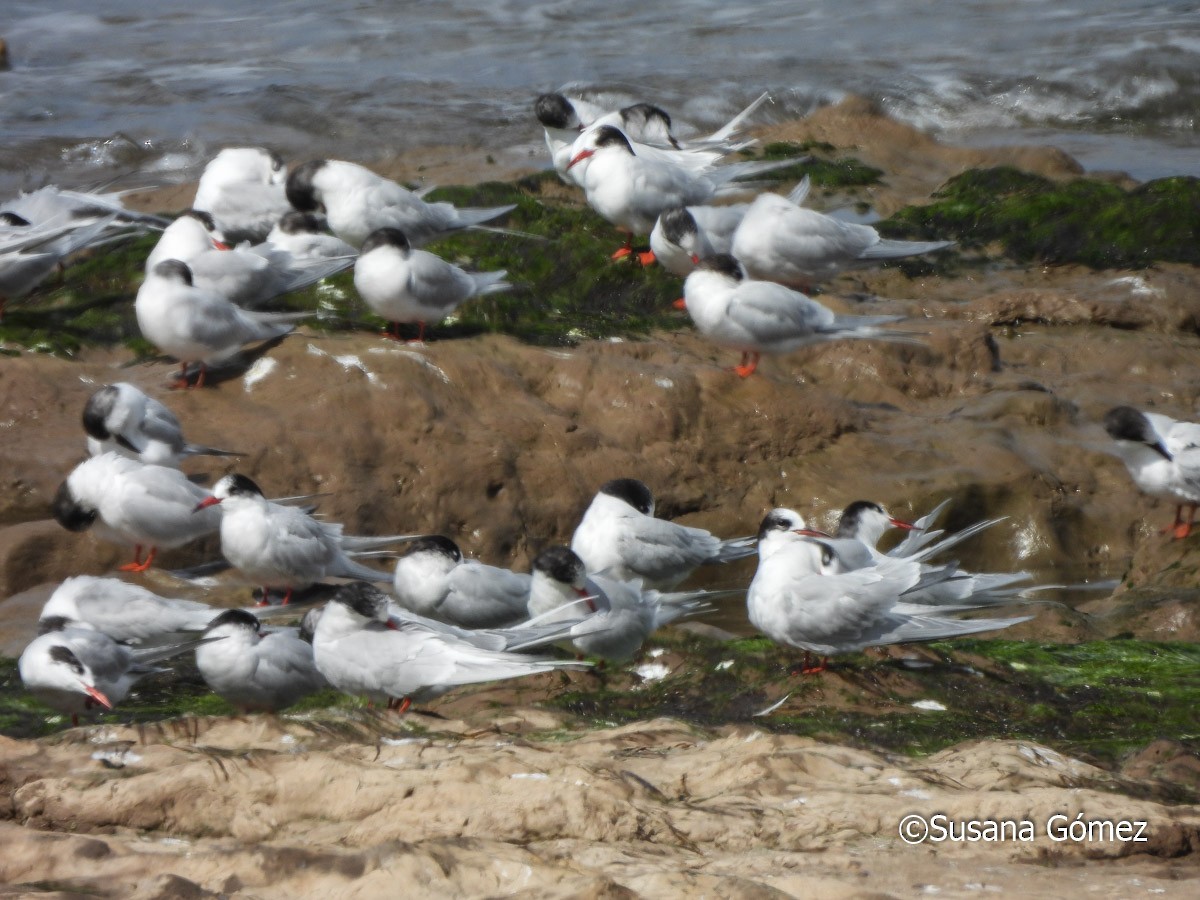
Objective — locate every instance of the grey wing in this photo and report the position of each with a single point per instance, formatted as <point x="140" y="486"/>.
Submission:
<point x="285" y="665"/>
<point x="770" y="312"/>
<point x="219" y="325"/>
<point x="483" y="596"/>
<point x="160" y="424"/>
<point x="299" y="543"/>
<point x="659" y="547"/>
<point x="126" y="612"/>
<point x="159" y="501"/>
<point x="437" y="283"/>
<point x="1183" y="443"/>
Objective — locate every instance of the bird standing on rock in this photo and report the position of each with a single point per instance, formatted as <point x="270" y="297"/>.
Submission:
<point x="620" y="536"/>
<point x="780" y="240"/>
<point x="356" y="202"/>
<point x="282" y="546"/>
<point x="632" y="191"/>
<point x="196" y="325"/>
<point x="135" y="504"/>
<point x="759" y="317"/>
<point x="361" y="650"/>
<point x="1163" y="458"/>
<point x="802" y="597"/>
<point x="403" y="284"/>
<point x="256" y="670"/>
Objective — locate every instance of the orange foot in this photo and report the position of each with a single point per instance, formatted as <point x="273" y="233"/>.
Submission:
<point x="137" y="565"/>
<point x="647" y="258"/>
<point x="400" y="706"/>
<point x="680" y="304"/>
<point x="748" y="365"/>
<point x="622" y="252"/>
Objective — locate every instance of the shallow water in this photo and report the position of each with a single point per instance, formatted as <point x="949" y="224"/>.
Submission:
<point x="158" y="88"/>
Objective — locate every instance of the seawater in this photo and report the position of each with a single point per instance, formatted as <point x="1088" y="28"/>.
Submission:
<point x="99" y="90"/>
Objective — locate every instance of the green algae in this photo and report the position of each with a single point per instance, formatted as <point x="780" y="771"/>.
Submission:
<point x="822" y="165"/>
<point x="1087" y="221"/>
<point x="1098" y="700"/>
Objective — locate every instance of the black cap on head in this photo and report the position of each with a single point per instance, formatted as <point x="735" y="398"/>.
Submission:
<point x="12" y="219"/>
<point x="236" y="617"/>
<point x="436" y="543"/>
<point x="644" y="112"/>
<point x="775" y="520"/>
<point x="237" y="485"/>
<point x="96" y="410"/>
<point x="560" y="563"/>
<point x="174" y="270"/>
<point x="851" y="515"/>
<point x="1124" y="423"/>
<point x="553" y="110"/>
<point x="632" y="491"/>
<point x="385" y="237"/>
<point x="677" y="224"/>
<point x="365" y="599"/>
<point x="69" y="513"/>
<point x="723" y="264"/>
<point x="301" y="192"/>
<point x="202" y="217"/>
<point x="61" y="654"/>
<point x="611" y="136"/>
<point x="50" y="624"/>
<point x="296" y="222"/>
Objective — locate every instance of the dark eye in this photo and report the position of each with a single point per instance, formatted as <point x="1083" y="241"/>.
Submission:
<point x="826" y="557"/>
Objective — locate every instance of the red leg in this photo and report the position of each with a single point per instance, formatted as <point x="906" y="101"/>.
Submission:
<point x="749" y="364"/>
<point x="180" y="381"/>
<point x="625" y="249"/>
<point x="137" y="565"/>
<point x="815" y="670"/>
<point x="646" y="257"/>
<point x="200" y="377"/>
<point x="1183" y="529"/>
<point x="400" y="706"/>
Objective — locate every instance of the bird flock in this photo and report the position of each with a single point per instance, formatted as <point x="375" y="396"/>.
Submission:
<point x="436" y="620"/>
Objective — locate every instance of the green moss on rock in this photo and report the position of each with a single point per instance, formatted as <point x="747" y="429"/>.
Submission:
<point x="1084" y="221"/>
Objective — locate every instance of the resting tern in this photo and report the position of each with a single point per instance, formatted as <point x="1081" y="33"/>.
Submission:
<point x="647" y="126"/>
<point x="134" y="504"/>
<point x="256" y="670"/>
<point x="282" y="546"/>
<point x="434" y="580"/>
<point x="759" y="317"/>
<point x="195" y="325"/>
<point x="120" y="417"/>
<point x="1163" y="459"/>
<point x="127" y="612"/>
<point x="631" y="191"/>
<point x="243" y="189"/>
<point x="779" y="240"/>
<point x="945" y="586"/>
<point x="798" y="598"/>
<point x="30" y="254"/>
<point x="356" y="202"/>
<point x="362" y="651"/>
<point x="77" y="670"/>
<point x="620" y="536"/>
<point x="403" y="284"/>
<point x="684" y="235"/>
<point x="626" y="612"/>
<point x="245" y="275"/>
<point x="302" y="235"/>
